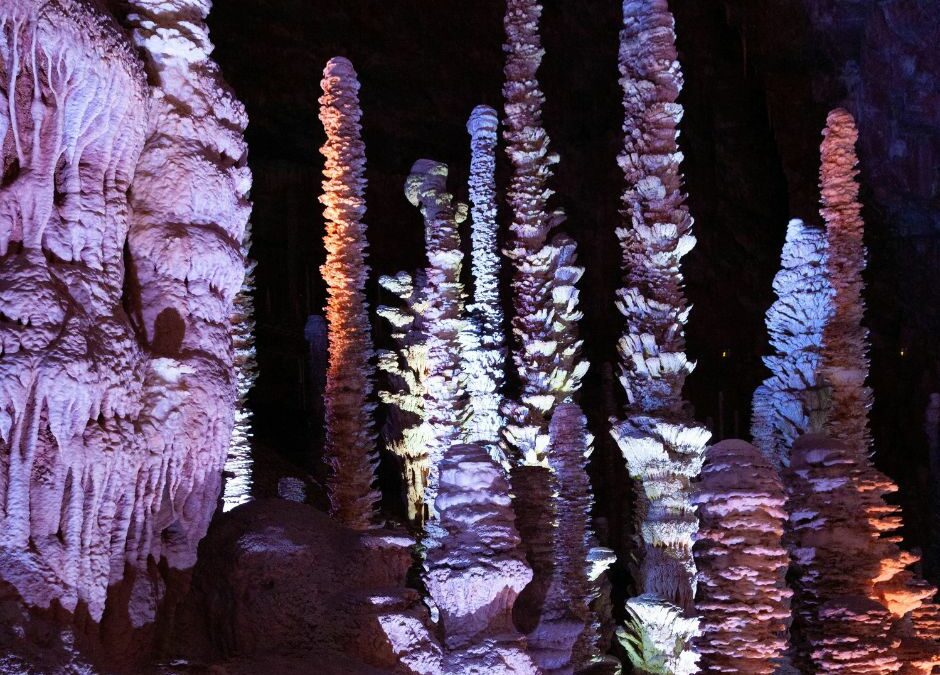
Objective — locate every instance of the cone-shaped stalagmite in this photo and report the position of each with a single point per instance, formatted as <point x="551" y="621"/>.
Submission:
<point x="793" y="400"/>
<point x="350" y="440"/>
<point x="661" y="443"/>
<point x="742" y="597"/>
<point x="547" y="348"/>
<point x="845" y="354"/>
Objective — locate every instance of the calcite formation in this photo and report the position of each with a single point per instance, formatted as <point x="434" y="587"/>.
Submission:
<point x="845" y="355"/>
<point x="857" y="606"/>
<point x="476" y="572"/>
<point x="794" y="400"/>
<point x="545" y="273"/>
<point x="239" y="464"/>
<point x="442" y="316"/>
<point x="660" y="442"/>
<point x="567" y="636"/>
<point x="485" y="355"/>
<point x="122" y="213"/>
<point x="743" y="597"/>
<point x="350" y="440"/>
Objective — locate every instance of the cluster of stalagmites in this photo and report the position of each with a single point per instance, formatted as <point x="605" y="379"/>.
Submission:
<point x="743" y="597"/>
<point x="857" y="607"/>
<point x="116" y="399"/>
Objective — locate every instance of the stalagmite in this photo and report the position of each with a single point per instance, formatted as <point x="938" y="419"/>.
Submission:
<point x="853" y="594"/>
<point x="794" y="400"/>
<point x="567" y="635"/>
<point x="485" y="353"/>
<point x="442" y="316"/>
<point x="350" y="441"/>
<point x="545" y="298"/>
<point x="117" y="394"/>
<point x="238" y="469"/>
<point x="742" y="597"/>
<point x="476" y="572"/>
<point x="661" y="443"/>
<point x="845" y="356"/>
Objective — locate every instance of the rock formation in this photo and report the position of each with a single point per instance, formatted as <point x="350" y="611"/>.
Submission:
<point x="350" y="442"/>
<point x="845" y="356"/>
<point x="547" y="347"/>
<point x="238" y="469"/>
<point x="567" y="636"/>
<point x="485" y="355"/>
<point x="743" y="597"/>
<point x="661" y="443"/>
<point x="855" y="601"/>
<point x="794" y="400"/>
<point x="476" y="572"/>
<point x="121" y="241"/>
<point x="442" y="316"/>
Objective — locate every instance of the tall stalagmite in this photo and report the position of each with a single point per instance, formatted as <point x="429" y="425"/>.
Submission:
<point x="485" y="359"/>
<point x="567" y="636"/>
<point x="743" y="596"/>
<point x="857" y="607"/>
<point x="476" y="572"/>
<point x="350" y="441"/>
<point x="239" y="465"/>
<point x="547" y="349"/>
<point x="845" y="356"/>
<point x="661" y="443"/>
<point x="794" y="400"/>
<point x="442" y="316"/>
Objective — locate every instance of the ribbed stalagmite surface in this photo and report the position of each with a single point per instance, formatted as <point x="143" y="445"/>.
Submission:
<point x="853" y="593"/>
<point x="442" y="315"/>
<point x="567" y="636"/>
<point x="547" y="349"/>
<point x="117" y="385"/>
<point x="476" y="572"/>
<point x="350" y="441"/>
<point x="743" y="597"/>
<point x="661" y="443"/>
<point x="794" y="400"/>
<point x="484" y="362"/>
<point x="845" y="356"/>
<point x="238" y="469"/>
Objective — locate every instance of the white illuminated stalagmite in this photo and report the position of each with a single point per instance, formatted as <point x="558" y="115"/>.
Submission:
<point x="857" y="606"/>
<point x="485" y="342"/>
<point x="117" y="395"/>
<point x="441" y="309"/>
<point x="743" y="596"/>
<point x="238" y="469"/>
<point x="350" y="447"/>
<point x="793" y="401"/>
<point x="545" y="298"/>
<point x="661" y="443"/>
<point x="845" y="354"/>
<point x="477" y="569"/>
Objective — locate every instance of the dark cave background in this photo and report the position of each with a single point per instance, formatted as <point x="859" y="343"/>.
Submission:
<point x="760" y="78"/>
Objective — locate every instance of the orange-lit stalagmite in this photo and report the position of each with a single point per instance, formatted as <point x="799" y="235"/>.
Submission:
<point x="350" y="439"/>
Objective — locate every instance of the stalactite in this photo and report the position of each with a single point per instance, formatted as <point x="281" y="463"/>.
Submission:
<point x="350" y="441"/>
<point x="485" y="344"/>
<point x="854" y="596"/>
<point x="239" y="465"/>
<point x="442" y="316"/>
<point x="845" y="356"/>
<point x="743" y="597"/>
<point x="661" y="444"/>
<point x="476" y="572"/>
<point x="567" y="637"/>
<point x="547" y="352"/>
<point x="794" y="400"/>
